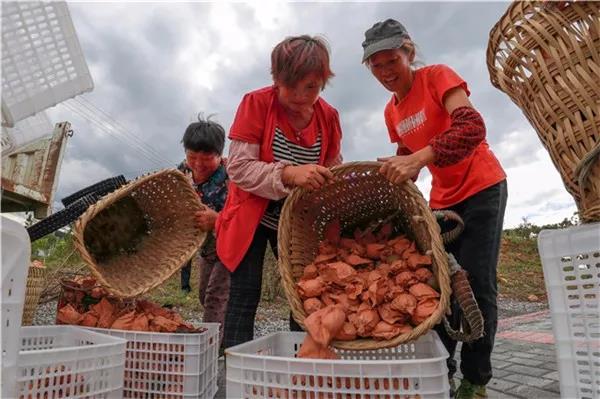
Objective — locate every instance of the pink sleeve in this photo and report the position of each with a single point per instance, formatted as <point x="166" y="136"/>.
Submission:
<point x="257" y="177"/>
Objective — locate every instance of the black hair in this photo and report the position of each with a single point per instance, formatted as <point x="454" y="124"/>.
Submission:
<point x="205" y="136"/>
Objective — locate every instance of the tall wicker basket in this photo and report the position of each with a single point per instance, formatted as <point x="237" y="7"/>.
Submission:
<point x="546" y="57"/>
<point x="359" y="196"/>
<point x="35" y="284"/>
<point x="168" y="237"/>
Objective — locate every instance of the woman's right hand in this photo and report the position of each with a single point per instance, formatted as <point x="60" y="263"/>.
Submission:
<point x="311" y="176"/>
<point x="206" y="218"/>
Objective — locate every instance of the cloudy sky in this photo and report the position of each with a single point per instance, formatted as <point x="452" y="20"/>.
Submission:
<point x="156" y="65"/>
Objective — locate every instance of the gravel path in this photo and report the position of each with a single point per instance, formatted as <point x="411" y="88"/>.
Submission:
<point x="45" y="314"/>
<point x="510" y="308"/>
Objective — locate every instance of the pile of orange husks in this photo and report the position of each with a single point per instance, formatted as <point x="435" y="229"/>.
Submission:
<point x="368" y="286"/>
<point x="85" y="303"/>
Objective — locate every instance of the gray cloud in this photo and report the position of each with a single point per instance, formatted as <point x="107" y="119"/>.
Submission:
<point x="539" y="198"/>
<point x="563" y="209"/>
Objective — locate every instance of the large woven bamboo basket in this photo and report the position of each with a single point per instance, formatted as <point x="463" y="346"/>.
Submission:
<point x="35" y="284"/>
<point x="151" y="219"/>
<point x="546" y="57"/>
<point x="360" y="195"/>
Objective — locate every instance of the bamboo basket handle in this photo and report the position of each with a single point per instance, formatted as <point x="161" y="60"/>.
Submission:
<point x="471" y="319"/>
<point x="453" y="234"/>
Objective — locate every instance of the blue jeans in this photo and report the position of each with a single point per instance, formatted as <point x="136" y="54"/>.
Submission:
<point x="476" y="250"/>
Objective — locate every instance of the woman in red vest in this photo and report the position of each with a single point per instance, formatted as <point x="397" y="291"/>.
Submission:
<point x="433" y="123"/>
<point x="283" y="136"/>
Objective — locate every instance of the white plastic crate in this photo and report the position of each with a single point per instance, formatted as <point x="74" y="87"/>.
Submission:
<point x="164" y="365"/>
<point x="42" y="61"/>
<point x="69" y="362"/>
<point x="16" y="249"/>
<point x="25" y="132"/>
<point x="571" y="262"/>
<point x="267" y="368"/>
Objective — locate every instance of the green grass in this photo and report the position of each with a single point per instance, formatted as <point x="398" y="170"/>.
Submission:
<point x="55" y="252"/>
<point x="520" y="272"/>
<point x="60" y="257"/>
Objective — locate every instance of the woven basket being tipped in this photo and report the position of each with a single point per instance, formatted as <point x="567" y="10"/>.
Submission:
<point x="360" y="195"/>
<point x="151" y="220"/>
<point x="546" y="57"/>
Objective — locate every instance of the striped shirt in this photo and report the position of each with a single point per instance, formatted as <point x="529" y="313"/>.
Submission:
<point x="286" y="150"/>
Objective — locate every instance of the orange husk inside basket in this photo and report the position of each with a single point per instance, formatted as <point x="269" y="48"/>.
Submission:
<point x="359" y="196"/>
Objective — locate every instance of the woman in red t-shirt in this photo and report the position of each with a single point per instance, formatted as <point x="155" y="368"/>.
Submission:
<point x="283" y="136"/>
<point x="434" y="125"/>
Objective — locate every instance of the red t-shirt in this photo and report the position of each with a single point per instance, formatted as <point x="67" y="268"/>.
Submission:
<point x="420" y="116"/>
<point x="259" y="106"/>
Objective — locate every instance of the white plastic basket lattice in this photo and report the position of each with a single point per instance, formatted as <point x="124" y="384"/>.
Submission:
<point x="42" y="61"/>
<point x="163" y="365"/>
<point x="571" y="261"/>
<point x="266" y="368"/>
<point x="69" y="362"/>
<point x="25" y="132"/>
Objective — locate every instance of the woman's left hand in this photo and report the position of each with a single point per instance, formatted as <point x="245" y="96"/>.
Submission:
<point x="400" y="168"/>
<point x="206" y="219"/>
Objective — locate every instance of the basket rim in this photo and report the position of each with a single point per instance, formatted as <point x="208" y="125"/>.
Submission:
<point x="93" y="210"/>
<point x="496" y="32"/>
<point x="438" y="255"/>
<point x="68" y="329"/>
<point x="437" y="344"/>
<point x="209" y="329"/>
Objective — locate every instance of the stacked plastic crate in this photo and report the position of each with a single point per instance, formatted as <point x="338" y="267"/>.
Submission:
<point x="267" y="367"/>
<point x="170" y="365"/>
<point x="571" y="262"/>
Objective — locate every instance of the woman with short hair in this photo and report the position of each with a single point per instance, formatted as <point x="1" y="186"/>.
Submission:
<point x="283" y="136"/>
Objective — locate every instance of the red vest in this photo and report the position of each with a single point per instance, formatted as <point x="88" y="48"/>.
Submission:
<point x="241" y="215"/>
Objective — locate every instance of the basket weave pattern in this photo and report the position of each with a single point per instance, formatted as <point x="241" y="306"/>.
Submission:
<point x="169" y="202"/>
<point x="360" y="195"/>
<point x="33" y="289"/>
<point x="547" y="59"/>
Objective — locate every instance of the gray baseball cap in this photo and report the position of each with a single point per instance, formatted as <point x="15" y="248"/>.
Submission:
<point x="387" y="35"/>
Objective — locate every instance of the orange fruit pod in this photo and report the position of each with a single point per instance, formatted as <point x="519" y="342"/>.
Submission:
<point x="68" y="315"/>
<point x="311" y="288"/>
